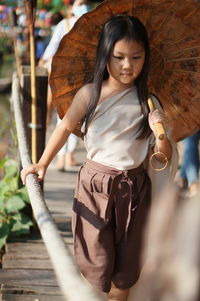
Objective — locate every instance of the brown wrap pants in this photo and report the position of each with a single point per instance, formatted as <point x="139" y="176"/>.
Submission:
<point x="109" y="214"/>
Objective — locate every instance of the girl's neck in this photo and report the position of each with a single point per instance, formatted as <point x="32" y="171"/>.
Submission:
<point x="113" y="85"/>
<point x="109" y="89"/>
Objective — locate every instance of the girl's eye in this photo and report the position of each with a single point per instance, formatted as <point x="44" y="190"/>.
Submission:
<point x="121" y="57"/>
<point x="136" y="57"/>
<point x="118" y="57"/>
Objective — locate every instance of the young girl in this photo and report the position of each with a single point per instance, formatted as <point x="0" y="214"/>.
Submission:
<point x="113" y="191"/>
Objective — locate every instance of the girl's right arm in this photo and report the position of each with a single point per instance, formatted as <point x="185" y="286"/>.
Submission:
<point x="59" y="136"/>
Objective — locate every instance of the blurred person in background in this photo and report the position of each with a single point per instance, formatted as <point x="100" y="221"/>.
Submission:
<point x="56" y="18"/>
<point x="74" y="10"/>
<point x="65" y="157"/>
<point x="40" y="36"/>
<point x="189" y="171"/>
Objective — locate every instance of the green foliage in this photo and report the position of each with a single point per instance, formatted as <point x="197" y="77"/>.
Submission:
<point x="12" y="200"/>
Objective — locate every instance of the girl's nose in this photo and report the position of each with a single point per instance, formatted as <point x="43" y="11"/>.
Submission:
<point x="127" y="63"/>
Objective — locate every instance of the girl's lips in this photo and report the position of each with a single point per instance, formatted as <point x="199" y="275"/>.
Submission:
<point x="126" y="74"/>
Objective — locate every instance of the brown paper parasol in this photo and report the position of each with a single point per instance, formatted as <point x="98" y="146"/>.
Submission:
<point x="174" y="32"/>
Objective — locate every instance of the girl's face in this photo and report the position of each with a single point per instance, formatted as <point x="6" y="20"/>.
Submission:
<point x="126" y="61"/>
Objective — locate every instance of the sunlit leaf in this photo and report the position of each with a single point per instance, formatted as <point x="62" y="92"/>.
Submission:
<point x="14" y="204"/>
<point x="11" y="170"/>
<point x="21" y="224"/>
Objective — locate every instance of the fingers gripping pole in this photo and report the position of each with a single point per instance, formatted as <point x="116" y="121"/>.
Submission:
<point x="159" y="129"/>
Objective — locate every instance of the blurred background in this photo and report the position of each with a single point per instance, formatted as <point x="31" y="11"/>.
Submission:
<point x="175" y="223"/>
<point x="14" y="42"/>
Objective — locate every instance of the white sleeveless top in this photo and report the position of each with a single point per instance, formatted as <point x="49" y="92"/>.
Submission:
<point x="111" y="136"/>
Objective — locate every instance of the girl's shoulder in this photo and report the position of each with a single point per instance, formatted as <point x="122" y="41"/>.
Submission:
<point x="87" y="88"/>
<point x="85" y="92"/>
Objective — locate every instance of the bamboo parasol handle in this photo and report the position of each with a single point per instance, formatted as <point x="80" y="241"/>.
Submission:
<point x="159" y="129"/>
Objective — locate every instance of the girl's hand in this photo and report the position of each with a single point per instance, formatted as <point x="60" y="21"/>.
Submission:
<point x="36" y="169"/>
<point x="163" y="145"/>
<point x="155" y="117"/>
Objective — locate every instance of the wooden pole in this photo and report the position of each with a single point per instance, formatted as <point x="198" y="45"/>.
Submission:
<point x="41" y="96"/>
<point x="13" y="24"/>
<point x="34" y="101"/>
<point x="30" y="6"/>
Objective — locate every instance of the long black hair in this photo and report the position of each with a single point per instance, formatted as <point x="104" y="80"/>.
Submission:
<point x="117" y="28"/>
